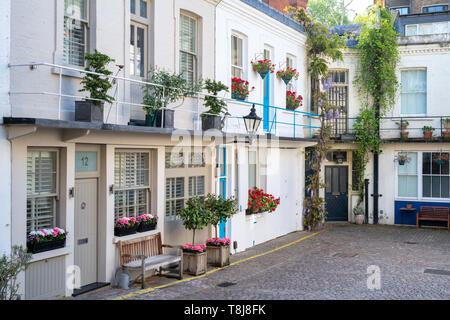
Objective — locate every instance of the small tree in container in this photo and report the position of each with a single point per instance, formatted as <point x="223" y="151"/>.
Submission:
<point x="211" y="118"/>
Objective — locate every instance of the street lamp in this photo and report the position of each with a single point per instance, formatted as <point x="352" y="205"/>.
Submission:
<point x="252" y="122"/>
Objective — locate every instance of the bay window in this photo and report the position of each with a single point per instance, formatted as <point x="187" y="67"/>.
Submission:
<point x="42" y="189"/>
<point x="188" y="47"/>
<point x="132" y="183"/>
<point x="414" y="92"/>
<point x="75" y="31"/>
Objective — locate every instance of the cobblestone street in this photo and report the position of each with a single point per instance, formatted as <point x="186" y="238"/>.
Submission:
<point x="330" y="265"/>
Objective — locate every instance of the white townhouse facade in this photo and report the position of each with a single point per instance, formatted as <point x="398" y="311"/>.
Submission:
<point x="423" y="73"/>
<point x="82" y="176"/>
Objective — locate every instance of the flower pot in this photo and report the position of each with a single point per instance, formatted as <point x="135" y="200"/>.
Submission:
<point x="237" y="96"/>
<point x="404" y="135"/>
<point x="211" y="122"/>
<point x="446" y="135"/>
<point x="218" y="256"/>
<point x="286" y="80"/>
<point x="409" y="206"/>
<point x="194" y="263"/>
<point x="144" y="227"/>
<point x="42" y="246"/>
<point x="359" y="218"/>
<point x="121" y="232"/>
<point x="153" y="119"/>
<point x="88" y="111"/>
<point x="446" y="125"/>
<point x="428" y="135"/>
<point x="291" y="107"/>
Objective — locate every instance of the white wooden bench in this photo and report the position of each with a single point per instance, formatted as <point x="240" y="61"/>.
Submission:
<point x="146" y="253"/>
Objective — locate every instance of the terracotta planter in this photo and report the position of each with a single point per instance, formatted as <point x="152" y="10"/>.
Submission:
<point x="194" y="263"/>
<point x="409" y="206"/>
<point x="218" y="256"/>
<point x="428" y="135"/>
<point x="446" y="135"/>
<point x="404" y="135"/>
<point x="359" y="219"/>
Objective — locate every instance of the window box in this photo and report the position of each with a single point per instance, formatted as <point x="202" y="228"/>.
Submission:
<point x="88" y="111"/>
<point x="144" y="227"/>
<point x="121" y="232"/>
<point x="42" y="246"/>
<point x="211" y="122"/>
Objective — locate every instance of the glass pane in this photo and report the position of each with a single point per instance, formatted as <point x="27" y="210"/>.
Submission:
<point x="76" y="9"/>
<point x="236" y="51"/>
<point x="143" y="9"/>
<point x="411" y="30"/>
<point x="445" y="193"/>
<point x="413" y="91"/>
<point x="188" y="32"/>
<point x="133" y="6"/>
<point x="411" y="167"/>
<point x="407" y="186"/>
<point x="174" y="159"/>
<point x="435" y="166"/>
<point x="426" y="186"/>
<point x="140" y="54"/>
<point x="132" y="51"/>
<point x="251" y="169"/>
<point x="40" y="213"/>
<point x="74" y="42"/>
<point x="436" y="187"/>
<point x="445" y="163"/>
<point x="426" y="163"/>
<point x="187" y="66"/>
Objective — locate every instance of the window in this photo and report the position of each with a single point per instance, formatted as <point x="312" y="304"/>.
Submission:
<point x="414" y="92"/>
<point x="132" y="184"/>
<point x="186" y="176"/>
<point x="188" y="47"/>
<point x="290" y="64"/>
<point x="75" y="31"/>
<point x="338" y="96"/>
<point x="427" y="28"/>
<point x="237" y="67"/>
<point x="401" y="10"/>
<point x="42" y="189"/>
<point x="431" y="9"/>
<point x="314" y="89"/>
<point x="138" y="38"/>
<point x="408" y="177"/>
<point x="252" y="169"/>
<point x="435" y="175"/>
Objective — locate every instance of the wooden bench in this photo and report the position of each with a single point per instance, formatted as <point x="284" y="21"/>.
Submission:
<point x="146" y="253"/>
<point x="434" y="214"/>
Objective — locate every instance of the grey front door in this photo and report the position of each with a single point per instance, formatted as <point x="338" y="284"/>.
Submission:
<point x="336" y="193"/>
<point x="86" y="229"/>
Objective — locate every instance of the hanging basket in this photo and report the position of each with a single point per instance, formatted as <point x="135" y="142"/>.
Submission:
<point x="286" y="80"/>
<point x="263" y="73"/>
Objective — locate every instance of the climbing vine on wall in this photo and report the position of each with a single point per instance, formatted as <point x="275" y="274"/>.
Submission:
<point x="322" y="46"/>
<point x="376" y="82"/>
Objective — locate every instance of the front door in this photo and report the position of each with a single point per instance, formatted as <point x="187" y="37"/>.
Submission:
<point x="223" y="185"/>
<point x="336" y="193"/>
<point x="86" y="229"/>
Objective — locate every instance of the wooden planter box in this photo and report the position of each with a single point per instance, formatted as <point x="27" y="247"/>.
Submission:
<point x="37" y="247"/>
<point x="194" y="263"/>
<point x="218" y="256"/>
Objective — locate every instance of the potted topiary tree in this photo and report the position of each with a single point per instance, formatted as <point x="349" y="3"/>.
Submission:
<point x="428" y="132"/>
<point x="91" y="109"/>
<point x="195" y="216"/>
<point x="165" y="88"/>
<point x="211" y="118"/>
<point x="221" y="210"/>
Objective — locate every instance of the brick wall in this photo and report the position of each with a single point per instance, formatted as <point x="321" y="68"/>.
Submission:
<point x="281" y="4"/>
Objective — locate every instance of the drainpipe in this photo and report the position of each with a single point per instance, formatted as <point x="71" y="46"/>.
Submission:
<point x="376" y="194"/>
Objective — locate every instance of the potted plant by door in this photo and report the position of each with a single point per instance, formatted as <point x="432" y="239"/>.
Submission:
<point x="287" y="75"/>
<point x="125" y="226"/>
<point x="146" y="222"/>
<point x="195" y="216"/>
<point x="162" y="89"/>
<point x="263" y="67"/>
<point x="46" y="239"/>
<point x="91" y="109"/>
<point x="218" y="249"/>
<point x="359" y="214"/>
<point x="402" y="125"/>
<point x="240" y="89"/>
<point x="428" y="132"/>
<point x="211" y="118"/>
<point x="293" y="101"/>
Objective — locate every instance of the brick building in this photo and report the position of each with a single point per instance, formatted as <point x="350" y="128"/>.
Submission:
<point x="418" y="6"/>
<point x="281" y="4"/>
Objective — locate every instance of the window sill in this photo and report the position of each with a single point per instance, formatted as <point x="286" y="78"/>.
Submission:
<point x="50" y="254"/>
<point x="68" y="73"/>
<point x="135" y="236"/>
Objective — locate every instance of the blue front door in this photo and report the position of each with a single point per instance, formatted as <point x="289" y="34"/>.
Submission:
<point x="223" y="185"/>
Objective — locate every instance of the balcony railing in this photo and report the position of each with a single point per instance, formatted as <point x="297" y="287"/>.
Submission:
<point x="277" y="121"/>
<point x="391" y="127"/>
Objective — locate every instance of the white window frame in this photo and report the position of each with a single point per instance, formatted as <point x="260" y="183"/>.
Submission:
<point x="420" y="196"/>
<point x="55" y="195"/>
<point x="416" y="26"/>
<point x="146" y="188"/>
<point x="233" y="66"/>
<point x="426" y="93"/>
<point x="194" y="55"/>
<point x="401" y="7"/>
<point x="436" y="5"/>
<point x="185" y="171"/>
<point x="139" y="22"/>
<point x="86" y="34"/>
<point x="137" y="15"/>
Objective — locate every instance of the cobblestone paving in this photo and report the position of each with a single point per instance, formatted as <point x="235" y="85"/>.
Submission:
<point x="330" y="265"/>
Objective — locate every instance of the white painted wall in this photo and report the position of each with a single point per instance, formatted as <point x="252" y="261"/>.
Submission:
<point x="5" y="111"/>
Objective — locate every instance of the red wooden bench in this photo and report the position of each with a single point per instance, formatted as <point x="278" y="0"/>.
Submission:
<point x="434" y="214"/>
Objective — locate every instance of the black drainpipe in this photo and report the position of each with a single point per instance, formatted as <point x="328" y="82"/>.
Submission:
<point x="366" y="199"/>
<point x="376" y="193"/>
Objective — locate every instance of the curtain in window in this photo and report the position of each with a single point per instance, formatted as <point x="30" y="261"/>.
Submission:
<point x="414" y="92"/>
<point x="408" y="177"/>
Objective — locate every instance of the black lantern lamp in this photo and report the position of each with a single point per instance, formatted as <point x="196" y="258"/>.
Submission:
<point x="252" y="122"/>
<point x="340" y="157"/>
